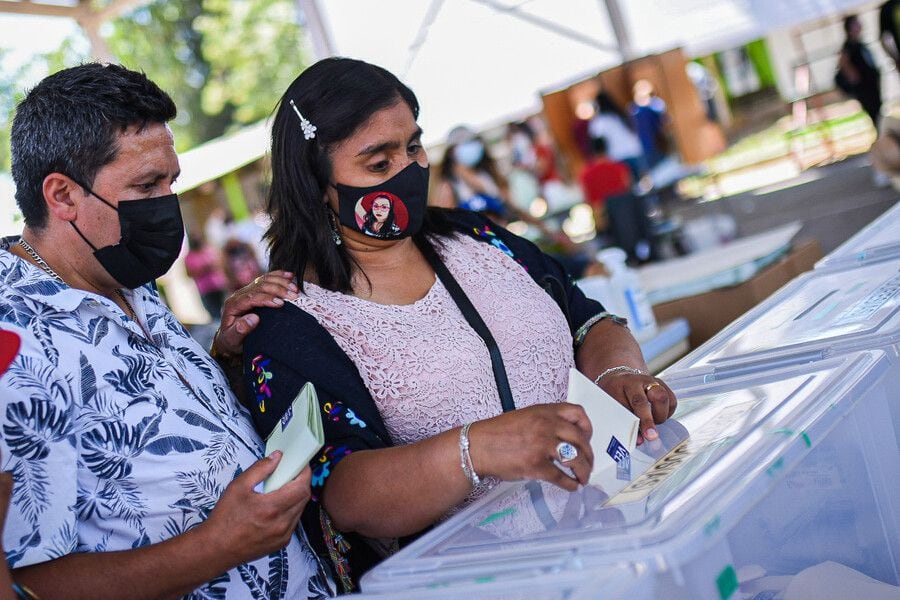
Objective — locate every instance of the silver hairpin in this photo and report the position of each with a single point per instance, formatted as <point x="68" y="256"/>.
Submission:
<point x="309" y="130"/>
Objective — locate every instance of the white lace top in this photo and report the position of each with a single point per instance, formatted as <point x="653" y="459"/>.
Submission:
<point x="427" y="369"/>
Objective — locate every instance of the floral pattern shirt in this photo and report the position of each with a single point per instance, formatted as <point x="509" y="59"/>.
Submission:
<point x="115" y="441"/>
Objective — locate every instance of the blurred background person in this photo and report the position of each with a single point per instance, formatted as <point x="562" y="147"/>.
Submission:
<point x="203" y="264"/>
<point x="523" y="184"/>
<point x="651" y="122"/>
<point x="470" y="178"/>
<point x="888" y="26"/>
<point x="858" y="76"/>
<point x="618" y="133"/>
<point x="601" y="178"/>
<point x="241" y="264"/>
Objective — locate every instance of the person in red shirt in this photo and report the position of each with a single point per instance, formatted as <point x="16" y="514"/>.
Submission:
<point x="602" y="178"/>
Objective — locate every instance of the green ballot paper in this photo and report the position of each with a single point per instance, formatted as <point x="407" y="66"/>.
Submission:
<point x="298" y="435"/>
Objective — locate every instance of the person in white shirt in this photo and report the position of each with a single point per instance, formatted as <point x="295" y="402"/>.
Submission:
<point x="134" y="467"/>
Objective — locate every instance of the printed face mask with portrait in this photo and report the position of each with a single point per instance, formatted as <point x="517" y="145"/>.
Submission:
<point x="406" y="194"/>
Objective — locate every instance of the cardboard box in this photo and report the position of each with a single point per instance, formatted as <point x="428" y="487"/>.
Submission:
<point x="710" y="312"/>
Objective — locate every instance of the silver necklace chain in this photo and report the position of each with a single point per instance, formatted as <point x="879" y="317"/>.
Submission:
<point x="40" y="261"/>
<point x="43" y="265"/>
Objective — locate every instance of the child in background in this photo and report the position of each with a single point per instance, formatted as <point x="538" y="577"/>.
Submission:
<point x="602" y="178"/>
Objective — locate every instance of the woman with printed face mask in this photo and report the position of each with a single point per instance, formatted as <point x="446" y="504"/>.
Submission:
<point x="440" y="352"/>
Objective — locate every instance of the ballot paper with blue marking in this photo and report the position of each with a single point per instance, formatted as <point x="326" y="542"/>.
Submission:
<point x="298" y="434"/>
<point x="615" y="428"/>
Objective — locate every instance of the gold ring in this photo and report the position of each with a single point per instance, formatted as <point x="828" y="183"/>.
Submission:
<point x="650" y="386"/>
<point x="257" y="280"/>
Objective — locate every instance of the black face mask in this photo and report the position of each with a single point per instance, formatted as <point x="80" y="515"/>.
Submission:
<point x="364" y="209"/>
<point x="152" y="234"/>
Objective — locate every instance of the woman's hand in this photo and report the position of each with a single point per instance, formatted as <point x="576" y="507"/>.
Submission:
<point x="648" y="397"/>
<point x="271" y="289"/>
<point x="522" y="444"/>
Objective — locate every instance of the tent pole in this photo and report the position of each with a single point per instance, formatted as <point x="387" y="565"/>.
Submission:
<point x="620" y="29"/>
<point x="322" y="45"/>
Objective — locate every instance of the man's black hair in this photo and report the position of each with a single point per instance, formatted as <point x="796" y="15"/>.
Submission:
<point x="69" y="122"/>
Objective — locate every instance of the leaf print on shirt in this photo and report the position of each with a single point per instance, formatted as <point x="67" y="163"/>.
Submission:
<point x="43" y="287"/>
<point x="122" y="498"/>
<point x="220" y="451"/>
<point x="40" y="379"/>
<point x="29" y="541"/>
<point x="31" y="429"/>
<point x="31" y="485"/>
<point x="92" y="333"/>
<point x="191" y="358"/>
<point x="109" y="448"/>
<point x="137" y="376"/>
<point x="64" y="541"/>
<point x="275" y="585"/>
<point x="88" y="503"/>
<point x="201" y="491"/>
<point x="192" y="418"/>
<point x="213" y="589"/>
<point x="43" y="320"/>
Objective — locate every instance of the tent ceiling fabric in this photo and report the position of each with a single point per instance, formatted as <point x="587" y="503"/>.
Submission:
<point x="476" y="64"/>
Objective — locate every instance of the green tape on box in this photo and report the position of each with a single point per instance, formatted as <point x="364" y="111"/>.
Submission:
<point x="727" y="582"/>
<point x="506" y="512"/>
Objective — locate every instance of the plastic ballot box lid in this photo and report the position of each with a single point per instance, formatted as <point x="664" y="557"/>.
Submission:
<point x="819" y="314"/>
<point x="878" y="240"/>
<point x="672" y="507"/>
<point x="613" y="582"/>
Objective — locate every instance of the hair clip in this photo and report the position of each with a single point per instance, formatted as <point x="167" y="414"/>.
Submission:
<point x="309" y="130"/>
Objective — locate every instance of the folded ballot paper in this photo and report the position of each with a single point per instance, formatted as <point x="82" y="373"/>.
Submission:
<point x="298" y="435"/>
<point x="615" y="428"/>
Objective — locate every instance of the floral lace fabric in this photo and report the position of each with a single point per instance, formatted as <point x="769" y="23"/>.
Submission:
<point x="426" y="369"/>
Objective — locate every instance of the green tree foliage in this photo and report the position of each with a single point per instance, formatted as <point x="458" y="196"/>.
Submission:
<point x="225" y="63"/>
<point x="10" y="94"/>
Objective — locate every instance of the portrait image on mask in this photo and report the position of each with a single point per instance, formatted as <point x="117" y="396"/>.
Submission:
<point x="381" y="215"/>
<point x="391" y="210"/>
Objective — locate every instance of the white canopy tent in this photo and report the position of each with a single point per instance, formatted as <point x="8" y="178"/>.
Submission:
<point x="484" y="61"/>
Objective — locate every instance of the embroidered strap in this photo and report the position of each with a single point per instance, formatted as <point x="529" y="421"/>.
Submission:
<point x="338" y="548"/>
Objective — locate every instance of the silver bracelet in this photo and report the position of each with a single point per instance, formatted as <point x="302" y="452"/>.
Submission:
<point x="465" y="460"/>
<point x="582" y="332"/>
<point x="619" y="369"/>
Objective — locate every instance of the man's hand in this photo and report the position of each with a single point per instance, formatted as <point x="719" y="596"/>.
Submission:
<point x="246" y="524"/>
<point x="271" y="289"/>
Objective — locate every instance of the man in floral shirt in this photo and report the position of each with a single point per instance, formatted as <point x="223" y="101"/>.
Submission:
<point x="134" y="467"/>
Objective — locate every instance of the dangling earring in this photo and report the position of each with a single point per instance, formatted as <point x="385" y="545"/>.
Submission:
<point x="335" y="236"/>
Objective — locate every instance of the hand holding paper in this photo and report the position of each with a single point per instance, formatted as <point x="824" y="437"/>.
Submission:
<point x="615" y="427"/>
<point x="298" y="435"/>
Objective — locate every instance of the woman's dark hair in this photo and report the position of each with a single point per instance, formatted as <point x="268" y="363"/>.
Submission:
<point x="337" y="96"/>
<point x="849" y="21"/>
<point x="605" y="104"/>
<point x="369" y="221"/>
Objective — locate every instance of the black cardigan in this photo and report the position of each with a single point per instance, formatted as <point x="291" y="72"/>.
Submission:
<point x="289" y="348"/>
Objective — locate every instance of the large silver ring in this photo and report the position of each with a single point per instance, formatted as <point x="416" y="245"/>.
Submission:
<point x="566" y="452"/>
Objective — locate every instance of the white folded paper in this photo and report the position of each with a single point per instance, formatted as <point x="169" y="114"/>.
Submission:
<point x="298" y="434"/>
<point x="615" y="428"/>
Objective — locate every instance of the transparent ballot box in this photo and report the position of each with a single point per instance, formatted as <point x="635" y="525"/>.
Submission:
<point x="877" y="241"/>
<point x="819" y="314"/>
<point x="614" y="582"/>
<point x="755" y="480"/>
